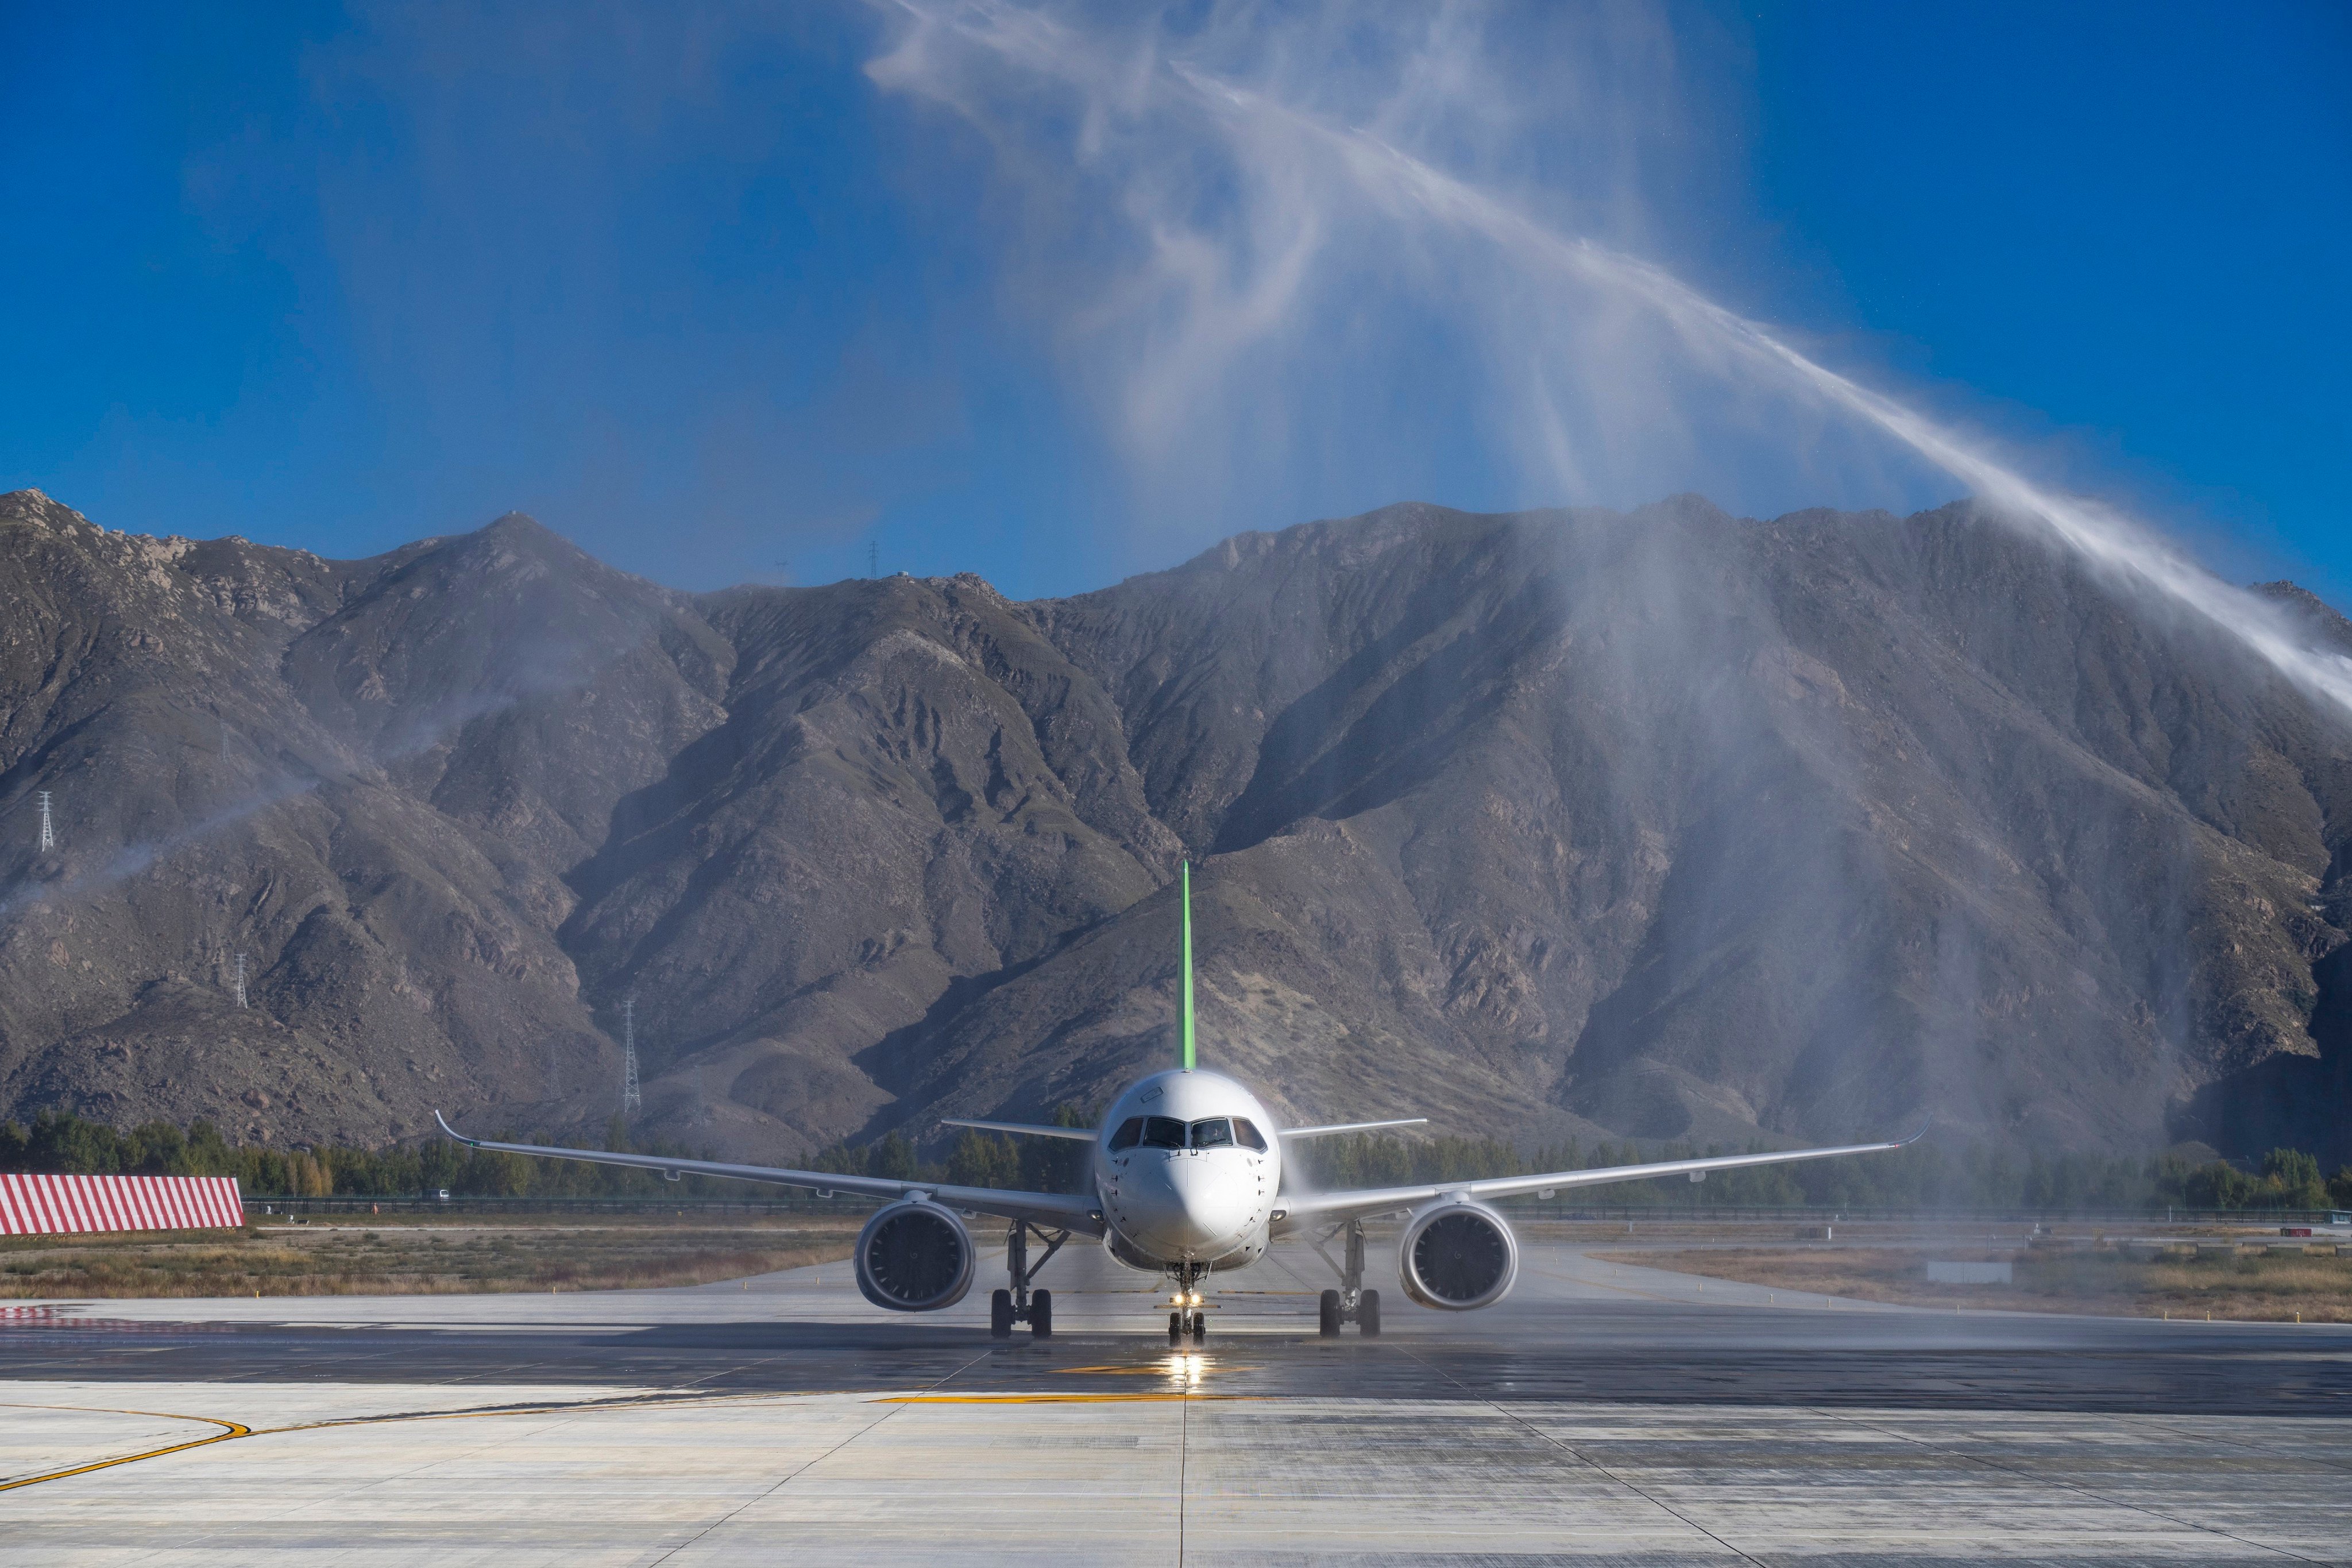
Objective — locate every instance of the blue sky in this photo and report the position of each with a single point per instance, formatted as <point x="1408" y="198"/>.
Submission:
<point x="703" y="294"/>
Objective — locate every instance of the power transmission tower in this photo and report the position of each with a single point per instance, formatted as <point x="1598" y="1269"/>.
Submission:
<point x="240" y="980"/>
<point x="873" y="558"/>
<point x="49" y="837"/>
<point x="631" y="1100"/>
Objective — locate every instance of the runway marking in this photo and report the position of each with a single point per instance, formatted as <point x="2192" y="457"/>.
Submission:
<point x="233" y="1430"/>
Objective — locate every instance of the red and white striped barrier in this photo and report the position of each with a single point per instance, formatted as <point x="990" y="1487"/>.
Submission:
<point x="61" y="1206"/>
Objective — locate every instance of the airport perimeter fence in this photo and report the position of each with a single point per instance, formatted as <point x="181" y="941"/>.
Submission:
<point x="410" y="1204"/>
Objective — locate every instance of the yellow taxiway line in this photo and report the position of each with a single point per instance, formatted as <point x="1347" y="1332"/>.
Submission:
<point x="235" y="1429"/>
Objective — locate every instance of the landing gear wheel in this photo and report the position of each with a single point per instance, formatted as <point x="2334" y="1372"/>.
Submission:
<point x="1328" y="1321"/>
<point x="1041" y="1315"/>
<point x="1200" y="1331"/>
<point x="1000" y="1315"/>
<point x="1367" y="1315"/>
<point x="1175" y="1328"/>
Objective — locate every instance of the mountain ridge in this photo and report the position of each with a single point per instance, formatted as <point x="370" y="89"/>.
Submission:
<point x="1659" y="824"/>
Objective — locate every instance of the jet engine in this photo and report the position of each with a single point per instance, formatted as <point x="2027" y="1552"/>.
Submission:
<point x="914" y="1256"/>
<point x="1457" y="1256"/>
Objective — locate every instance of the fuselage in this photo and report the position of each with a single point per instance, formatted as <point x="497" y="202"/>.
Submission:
<point x="1188" y="1167"/>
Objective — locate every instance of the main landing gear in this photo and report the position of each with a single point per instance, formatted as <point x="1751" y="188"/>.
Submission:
<point x="1020" y="1304"/>
<point x="1188" y="1321"/>
<point x="1351" y="1303"/>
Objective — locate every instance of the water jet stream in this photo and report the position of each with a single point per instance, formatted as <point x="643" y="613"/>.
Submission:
<point x="1407" y="189"/>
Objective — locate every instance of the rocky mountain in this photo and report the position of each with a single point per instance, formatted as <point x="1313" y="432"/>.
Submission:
<point x="1667" y="824"/>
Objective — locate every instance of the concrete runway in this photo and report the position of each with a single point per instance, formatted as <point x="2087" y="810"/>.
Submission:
<point x="1604" y="1412"/>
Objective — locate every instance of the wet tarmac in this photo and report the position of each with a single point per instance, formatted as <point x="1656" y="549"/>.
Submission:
<point x="1604" y="1411"/>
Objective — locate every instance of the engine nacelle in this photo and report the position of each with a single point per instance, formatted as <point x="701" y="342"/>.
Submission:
<point x="914" y="1256"/>
<point x="1457" y="1256"/>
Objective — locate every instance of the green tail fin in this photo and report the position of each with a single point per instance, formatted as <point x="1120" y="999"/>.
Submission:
<point x="1184" y="874"/>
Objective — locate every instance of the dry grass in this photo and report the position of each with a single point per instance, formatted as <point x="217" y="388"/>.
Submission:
<point x="411" y="1260"/>
<point x="2267" y="1287"/>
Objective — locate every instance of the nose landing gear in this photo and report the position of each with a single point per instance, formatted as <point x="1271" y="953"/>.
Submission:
<point x="1189" y="1321"/>
<point x="1351" y="1303"/>
<point x="1020" y="1304"/>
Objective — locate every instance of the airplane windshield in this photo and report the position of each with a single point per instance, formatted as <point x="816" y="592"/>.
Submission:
<point x="1245" y="1133"/>
<point x="1215" y="1133"/>
<point x="1129" y="1133"/>
<point x="1162" y="1133"/>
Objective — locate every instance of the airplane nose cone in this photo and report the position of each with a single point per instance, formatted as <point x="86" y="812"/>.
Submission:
<point x="1195" y="1205"/>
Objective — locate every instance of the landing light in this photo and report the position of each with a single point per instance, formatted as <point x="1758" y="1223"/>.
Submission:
<point x="1195" y="1300"/>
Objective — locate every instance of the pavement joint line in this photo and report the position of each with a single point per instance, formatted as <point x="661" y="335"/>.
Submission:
<point x="2158" y="1423"/>
<point x="238" y="1429"/>
<point x="1133" y="1371"/>
<point x="1603" y="1285"/>
<point x="1815" y="1300"/>
<point x="786" y="1479"/>
<point x="1586" y="1460"/>
<point x="1057" y="1400"/>
<point x="1184" y="1474"/>
<point x="564" y="1413"/>
<point x="2091" y="1493"/>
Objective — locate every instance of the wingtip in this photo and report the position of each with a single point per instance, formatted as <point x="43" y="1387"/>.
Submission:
<point x="1925" y="1122"/>
<point x="452" y="1131"/>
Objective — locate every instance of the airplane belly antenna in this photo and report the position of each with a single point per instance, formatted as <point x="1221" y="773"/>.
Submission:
<point x="1184" y="875"/>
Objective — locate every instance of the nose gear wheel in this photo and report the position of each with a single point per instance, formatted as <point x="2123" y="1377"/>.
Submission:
<point x="1188" y="1321"/>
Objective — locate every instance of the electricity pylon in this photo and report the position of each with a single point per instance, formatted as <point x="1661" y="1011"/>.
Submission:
<point x="631" y="1099"/>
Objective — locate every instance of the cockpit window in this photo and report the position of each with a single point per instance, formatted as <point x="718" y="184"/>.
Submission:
<point x="1129" y="1133"/>
<point x="1162" y="1133"/>
<point x="1215" y="1133"/>
<point x="1247" y="1134"/>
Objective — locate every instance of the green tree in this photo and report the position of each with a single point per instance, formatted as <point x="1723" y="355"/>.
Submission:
<point x="983" y="1160"/>
<point x="1058" y="1164"/>
<point x="892" y="1158"/>
<point x="2294" y="1177"/>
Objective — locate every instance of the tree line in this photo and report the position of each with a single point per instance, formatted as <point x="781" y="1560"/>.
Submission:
<point x="1922" y="1176"/>
<point x="58" y="1141"/>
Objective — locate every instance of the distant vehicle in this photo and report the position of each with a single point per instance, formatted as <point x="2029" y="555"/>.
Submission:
<point x="1187" y="1179"/>
<point x="443" y="1195"/>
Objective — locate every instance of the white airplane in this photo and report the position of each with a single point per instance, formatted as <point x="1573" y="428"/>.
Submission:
<point x="1186" y="1183"/>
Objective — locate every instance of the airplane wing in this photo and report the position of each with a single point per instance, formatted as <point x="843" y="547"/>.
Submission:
<point x="1300" y="1208"/>
<point x="1349" y="1127"/>
<point x="1057" y="1211"/>
<point x="1031" y="1129"/>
